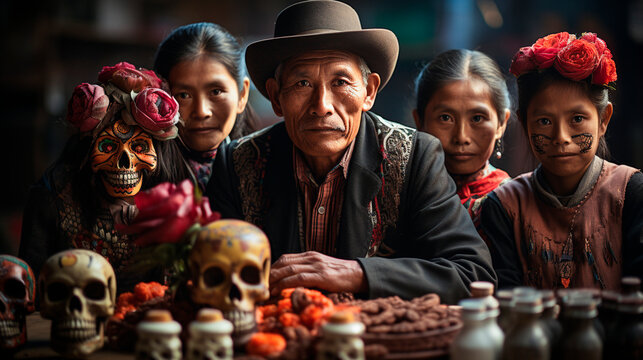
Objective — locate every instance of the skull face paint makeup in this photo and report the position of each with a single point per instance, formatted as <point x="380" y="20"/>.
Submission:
<point x="120" y="154"/>
<point x="540" y="142"/>
<point x="584" y="142"/>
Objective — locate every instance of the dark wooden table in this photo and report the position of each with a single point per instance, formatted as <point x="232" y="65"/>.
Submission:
<point x="37" y="346"/>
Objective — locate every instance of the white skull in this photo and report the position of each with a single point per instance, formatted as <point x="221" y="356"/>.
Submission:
<point x="158" y="337"/>
<point x="210" y="337"/>
<point x="77" y="292"/>
<point x="230" y="267"/>
<point x="341" y="338"/>
<point x="17" y="288"/>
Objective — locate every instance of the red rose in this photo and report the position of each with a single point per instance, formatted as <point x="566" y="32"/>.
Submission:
<point x="605" y="73"/>
<point x="127" y="78"/>
<point x="165" y="213"/>
<point x="601" y="46"/>
<point x="107" y="72"/>
<point x="155" y="110"/>
<point x="577" y="60"/>
<point x="523" y="61"/>
<point x="545" y="49"/>
<point x="87" y="106"/>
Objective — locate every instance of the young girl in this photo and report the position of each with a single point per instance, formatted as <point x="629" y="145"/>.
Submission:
<point x="203" y="65"/>
<point x="576" y="220"/>
<point x="462" y="99"/>
<point x="122" y="146"/>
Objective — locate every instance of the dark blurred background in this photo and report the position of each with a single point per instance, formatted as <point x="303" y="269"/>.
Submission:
<point x="48" y="47"/>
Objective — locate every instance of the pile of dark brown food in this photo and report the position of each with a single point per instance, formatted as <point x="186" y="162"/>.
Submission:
<point x="400" y="329"/>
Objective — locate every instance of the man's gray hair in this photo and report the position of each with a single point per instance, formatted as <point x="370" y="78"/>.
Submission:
<point x="363" y="68"/>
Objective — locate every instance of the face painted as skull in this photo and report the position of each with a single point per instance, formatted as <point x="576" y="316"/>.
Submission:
<point x="120" y="154"/>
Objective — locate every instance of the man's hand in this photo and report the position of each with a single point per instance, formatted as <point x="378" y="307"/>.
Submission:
<point x="315" y="270"/>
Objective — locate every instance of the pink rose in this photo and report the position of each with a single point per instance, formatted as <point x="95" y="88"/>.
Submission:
<point x="127" y="78"/>
<point x="523" y="61"/>
<point x="87" y="106"/>
<point x="546" y="48"/>
<point x="601" y="46"/>
<point x="605" y="73"/>
<point x="166" y="212"/>
<point x="577" y="60"/>
<point x="107" y="72"/>
<point x="155" y="110"/>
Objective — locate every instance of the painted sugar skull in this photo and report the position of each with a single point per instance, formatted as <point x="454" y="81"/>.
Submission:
<point x="158" y="337"/>
<point x="77" y="293"/>
<point x="17" y="289"/>
<point x="230" y="267"/>
<point x="210" y="337"/>
<point x="120" y="154"/>
<point x="341" y="338"/>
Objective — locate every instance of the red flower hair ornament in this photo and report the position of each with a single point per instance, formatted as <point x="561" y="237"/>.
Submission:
<point x="136" y="93"/>
<point x="574" y="58"/>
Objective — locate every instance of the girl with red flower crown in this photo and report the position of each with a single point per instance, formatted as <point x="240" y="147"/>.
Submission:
<point x="462" y="99"/>
<point x="577" y="219"/>
<point x="124" y="123"/>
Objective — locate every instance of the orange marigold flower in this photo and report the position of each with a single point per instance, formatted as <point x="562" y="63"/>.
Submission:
<point x="265" y="344"/>
<point x="312" y="316"/>
<point x="285" y="304"/>
<point x="285" y="293"/>
<point x="269" y="310"/>
<point x="125" y="298"/>
<point x="289" y="319"/>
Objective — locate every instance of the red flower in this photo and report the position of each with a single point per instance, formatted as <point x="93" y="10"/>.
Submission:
<point x="605" y="73"/>
<point x="127" y="78"/>
<point x="523" y="61"/>
<point x="601" y="46"/>
<point x="87" y="106"/>
<point x="546" y="48"/>
<point x="166" y="211"/>
<point x="155" y="110"/>
<point x="578" y="60"/>
<point x="107" y="72"/>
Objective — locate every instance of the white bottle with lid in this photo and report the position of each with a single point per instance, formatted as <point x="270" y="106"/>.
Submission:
<point x="474" y="341"/>
<point x="484" y="290"/>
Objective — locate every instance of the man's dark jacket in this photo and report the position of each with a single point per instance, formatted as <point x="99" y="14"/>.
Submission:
<point x="401" y="217"/>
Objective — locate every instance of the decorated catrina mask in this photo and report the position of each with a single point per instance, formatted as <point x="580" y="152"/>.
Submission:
<point x="17" y="289"/>
<point x="230" y="267"/>
<point x="121" y="152"/>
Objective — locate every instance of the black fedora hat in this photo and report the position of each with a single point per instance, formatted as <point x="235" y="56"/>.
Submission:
<point x="321" y="25"/>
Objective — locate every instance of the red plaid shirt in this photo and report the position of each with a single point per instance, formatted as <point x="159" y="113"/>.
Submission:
<point x="321" y="204"/>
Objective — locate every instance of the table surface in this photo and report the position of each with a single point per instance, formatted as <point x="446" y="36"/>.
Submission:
<point x="37" y="346"/>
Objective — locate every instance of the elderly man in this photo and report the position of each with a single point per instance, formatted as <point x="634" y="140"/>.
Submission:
<point x="350" y="201"/>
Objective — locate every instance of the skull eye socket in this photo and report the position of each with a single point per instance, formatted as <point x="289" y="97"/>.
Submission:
<point x="106" y="146"/>
<point x="14" y="289"/>
<point x="94" y="290"/>
<point x="213" y="276"/>
<point x="250" y="275"/>
<point x="57" y="291"/>
<point x="140" y="147"/>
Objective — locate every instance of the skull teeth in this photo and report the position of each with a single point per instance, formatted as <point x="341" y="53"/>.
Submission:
<point x="9" y="329"/>
<point x="74" y="329"/>
<point x="122" y="179"/>
<point x="242" y="320"/>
